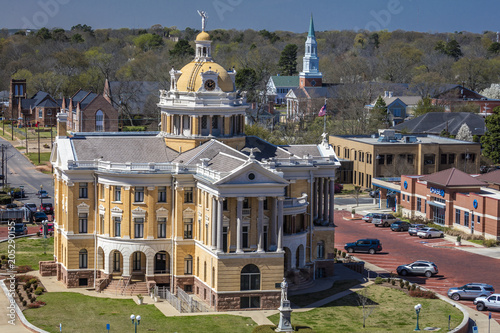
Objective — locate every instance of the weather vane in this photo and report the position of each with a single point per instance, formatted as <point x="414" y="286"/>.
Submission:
<point x="204" y="16"/>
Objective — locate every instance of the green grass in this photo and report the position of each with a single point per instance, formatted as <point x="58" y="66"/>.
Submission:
<point x="29" y="251"/>
<point x="81" y="313"/>
<point x="44" y="158"/>
<point x="338" y="286"/>
<point x="394" y="313"/>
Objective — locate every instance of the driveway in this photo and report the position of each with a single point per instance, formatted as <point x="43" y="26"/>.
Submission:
<point x="456" y="267"/>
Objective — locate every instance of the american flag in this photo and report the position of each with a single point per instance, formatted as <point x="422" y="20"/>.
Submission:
<point x="322" y="112"/>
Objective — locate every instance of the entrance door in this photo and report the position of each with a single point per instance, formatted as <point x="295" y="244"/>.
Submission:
<point x="161" y="262"/>
<point x="472" y="223"/>
<point x="116" y="261"/>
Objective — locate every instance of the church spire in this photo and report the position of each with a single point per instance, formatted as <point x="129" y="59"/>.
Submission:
<point x="311" y="28"/>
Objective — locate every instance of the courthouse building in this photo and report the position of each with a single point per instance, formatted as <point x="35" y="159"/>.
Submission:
<point x="199" y="206"/>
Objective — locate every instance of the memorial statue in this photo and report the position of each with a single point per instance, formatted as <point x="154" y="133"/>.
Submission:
<point x="284" y="290"/>
<point x="204" y="16"/>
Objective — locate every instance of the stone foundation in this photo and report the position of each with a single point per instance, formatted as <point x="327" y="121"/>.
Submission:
<point x="48" y="268"/>
<point x="71" y="279"/>
<point x="232" y="302"/>
<point x="181" y="282"/>
<point x="328" y="265"/>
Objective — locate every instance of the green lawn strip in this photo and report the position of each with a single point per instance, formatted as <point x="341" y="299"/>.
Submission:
<point x="338" y="286"/>
<point x="33" y="157"/>
<point x="394" y="313"/>
<point x="29" y="251"/>
<point x="81" y="313"/>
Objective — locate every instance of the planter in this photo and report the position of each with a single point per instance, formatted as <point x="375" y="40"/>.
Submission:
<point x="156" y="299"/>
<point x="352" y="215"/>
<point x="140" y="300"/>
<point x="458" y="243"/>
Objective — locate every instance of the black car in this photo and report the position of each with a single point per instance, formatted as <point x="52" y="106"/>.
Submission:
<point x="369" y="245"/>
<point x="40" y="216"/>
<point x="400" y="226"/>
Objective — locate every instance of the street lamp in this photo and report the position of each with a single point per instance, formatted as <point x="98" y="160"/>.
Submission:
<point x="41" y="197"/>
<point x="136" y="321"/>
<point x="418" y="307"/>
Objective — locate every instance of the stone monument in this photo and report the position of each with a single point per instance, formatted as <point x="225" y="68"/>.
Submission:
<point x="285" y="324"/>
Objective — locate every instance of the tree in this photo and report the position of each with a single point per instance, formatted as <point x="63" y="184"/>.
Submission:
<point x="379" y="112"/>
<point x="246" y="80"/>
<point x="43" y="33"/>
<point x="425" y="105"/>
<point x="490" y="141"/>
<point x="464" y="133"/>
<point x="492" y="92"/>
<point x="494" y="48"/>
<point x="452" y="49"/>
<point x="147" y="42"/>
<point x="288" y="60"/>
<point x="182" y="49"/>
<point x="77" y="38"/>
<point x="366" y="304"/>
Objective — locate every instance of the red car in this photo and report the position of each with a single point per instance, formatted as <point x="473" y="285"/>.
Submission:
<point x="47" y="208"/>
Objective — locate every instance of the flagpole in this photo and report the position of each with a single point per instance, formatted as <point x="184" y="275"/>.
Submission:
<point x="324" y="120"/>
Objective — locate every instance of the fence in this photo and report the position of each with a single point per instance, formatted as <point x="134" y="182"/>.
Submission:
<point x="182" y="302"/>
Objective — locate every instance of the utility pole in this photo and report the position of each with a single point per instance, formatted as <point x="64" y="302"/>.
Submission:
<point x="26" y="131"/>
<point x="3" y="168"/>
<point x="38" y="130"/>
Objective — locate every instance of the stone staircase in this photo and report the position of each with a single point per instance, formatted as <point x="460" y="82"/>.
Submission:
<point x="299" y="281"/>
<point x="116" y="287"/>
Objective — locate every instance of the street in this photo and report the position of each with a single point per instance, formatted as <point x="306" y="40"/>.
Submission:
<point x="456" y="267"/>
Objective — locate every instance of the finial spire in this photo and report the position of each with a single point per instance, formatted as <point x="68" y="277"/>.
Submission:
<point x="311" y="27"/>
<point x="204" y="16"/>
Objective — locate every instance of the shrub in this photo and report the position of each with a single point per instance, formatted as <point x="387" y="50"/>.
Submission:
<point x="3" y="256"/>
<point x="24" y="303"/>
<point x="335" y="252"/>
<point x="423" y="293"/>
<point x="25" y="278"/>
<point x="24" y="269"/>
<point x="134" y="128"/>
<point x="378" y="280"/>
<point x="459" y="238"/>
<point x="21" y="298"/>
<point x="38" y="291"/>
<point x="401" y="284"/>
<point x="490" y="243"/>
<point x="412" y="287"/>
<point x="25" y="287"/>
<point x="33" y="306"/>
<point x="393" y="282"/>
<point x="389" y="279"/>
<point x="343" y="254"/>
<point x="38" y="233"/>
<point x="407" y="283"/>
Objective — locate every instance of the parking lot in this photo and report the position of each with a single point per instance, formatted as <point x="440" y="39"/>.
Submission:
<point x="456" y="267"/>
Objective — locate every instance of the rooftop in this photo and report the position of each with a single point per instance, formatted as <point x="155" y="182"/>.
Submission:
<point x="401" y="140"/>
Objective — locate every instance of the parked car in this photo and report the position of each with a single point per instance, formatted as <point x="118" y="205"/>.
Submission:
<point x="18" y="193"/>
<point x="430" y="233"/>
<point x="368" y="217"/>
<point x="338" y="188"/>
<point x="369" y="245"/>
<point x="488" y="303"/>
<point x="11" y="205"/>
<point x="20" y="229"/>
<point x="42" y="194"/>
<point x="40" y="216"/>
<point x="383" y="220"/>
<point x="414" y="228"/>
<point x="47" y="208"/>
<point x="50" y="227"/>
<point x="31" y="206"/>
<point x="419" y="267"/>
<point x="374" y="193"/>
<point x="400" y="226"/>
<point x="471" y="291"/>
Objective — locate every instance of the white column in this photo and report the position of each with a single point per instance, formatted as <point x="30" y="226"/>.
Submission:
<point x="219" y="224"/>
<point x="320" y="198"/>
<point x="273" y="228"/>
<point x="280" y="224"/>
<point x="239" y="217"/>
<point x="126" y="266"/>
<point x="325" y="199"/>
<point x="108" y="259"/>
<point x="315" y="199"/>
<point x="260" y="225"/>
<point x="150" y="268"/>
<point x="332" y="205"/>
<point x="214" y="223"/>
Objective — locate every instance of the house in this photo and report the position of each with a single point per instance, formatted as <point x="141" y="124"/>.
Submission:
<point x="279" y="85"/>
<point x="90" y="112"/>
<point x="455" y="95"/>
<point x="398" y="107"/>
<point x="392" y="154"/>
<point x="437" y="122"/>
<point x="199" y="207"/>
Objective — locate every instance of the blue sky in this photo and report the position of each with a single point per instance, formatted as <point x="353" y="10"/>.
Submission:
<point x="291" y="15"/>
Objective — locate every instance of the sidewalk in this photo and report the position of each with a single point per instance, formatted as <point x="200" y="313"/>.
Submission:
<point x="5" y="327"/>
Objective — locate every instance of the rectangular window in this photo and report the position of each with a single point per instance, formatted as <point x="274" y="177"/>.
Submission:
<point x="429" y="159"/>
<point x="215" y="122"/>
<point x="204" y="122"/>
<point x="82" y="223"/>
<point x="102" y="191"/>
<point x="137" y="261"/>
<point x="457" y="216"/>
<point x="139" y="194"/>
<point x="419" y="204"/>
<point x="409" y="158"/>
<point x="355" y="155"/>
<point x="40" y="113"/>
<point x="83" y="191"/>
<point x="404" y="197"/>
<point x="139" y="227"/>
<point x="118" y="193"/>
<point x="381" y="159"/>
<point x="188" y="228"/>
<point x="224" y="205"/>
<point x="118" y="226"/>
<point x="250" y="302"/>
<point x="162" y="227"/>
<point x="162" y="194"/>
<point x="389" y="159"/>
<point x="244" y="238"/>
<point x="466" y="219"/>
<point x="443" y="158"/>
<point x="425" y="206"/>
<point x="451" y="159"/>
<point x="102" y="223"/>
<point x="478" y="219"/>
<point x="188" y="195"/>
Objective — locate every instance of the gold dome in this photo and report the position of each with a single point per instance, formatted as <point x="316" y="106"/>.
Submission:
<point x="224" y="80"/>
<point x="203" y="36"/>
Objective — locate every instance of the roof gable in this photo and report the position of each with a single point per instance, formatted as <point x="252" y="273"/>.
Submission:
<point x="492" y="177"/>
<point x="452" y="178"/>
<point x="285" y="81"/>
<point x="252" y="173"/>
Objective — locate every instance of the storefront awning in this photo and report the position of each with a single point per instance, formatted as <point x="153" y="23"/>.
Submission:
<point x="437" y="204"/>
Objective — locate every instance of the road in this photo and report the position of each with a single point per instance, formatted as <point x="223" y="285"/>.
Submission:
<point x="20" y="171"/>
<point x="456" y="267"/>
<point x="349" y="200"/>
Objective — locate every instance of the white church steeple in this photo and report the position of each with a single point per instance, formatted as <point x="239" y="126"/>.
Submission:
<point x="310" y="75"/>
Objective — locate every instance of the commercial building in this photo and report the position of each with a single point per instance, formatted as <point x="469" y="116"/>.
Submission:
<point x="198" y="206"/>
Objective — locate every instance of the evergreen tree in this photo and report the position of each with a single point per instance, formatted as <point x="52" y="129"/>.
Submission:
<point x="380" y="112"/>
<point x="288" y="60"/>
<point x="490" y="141"/>
<point x="425" y="105"/>
<point x="182" y="49"/>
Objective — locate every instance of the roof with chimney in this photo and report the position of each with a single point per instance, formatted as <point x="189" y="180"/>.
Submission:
<point x="436" y="122"/>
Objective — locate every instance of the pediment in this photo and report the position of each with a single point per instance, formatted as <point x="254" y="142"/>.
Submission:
<point x="188" y="213"/>
<point x="115" y="209"/>
<point x="252" y="174"/>
<point x="138" y="212"/>
<point x="162" y="212"/>
<point x="83" y="208"/>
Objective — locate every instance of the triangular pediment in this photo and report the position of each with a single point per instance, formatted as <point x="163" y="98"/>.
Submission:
<point x="115" y="209"/>
<point x="291" y="94"/>
<point x="252" y="173"/>
<point x="188" y="213"/>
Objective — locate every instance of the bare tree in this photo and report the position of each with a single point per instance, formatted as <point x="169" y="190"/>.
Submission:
<point x="366" y="304"/>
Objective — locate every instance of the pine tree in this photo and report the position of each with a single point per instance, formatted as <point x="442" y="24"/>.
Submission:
<point x="491" y="139"/>
<point x="380" y="112"/>
<point x="288" y="60"/>
<point x="464" y="133"/>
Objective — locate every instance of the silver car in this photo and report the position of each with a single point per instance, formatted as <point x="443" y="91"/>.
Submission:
<point x="430" y="233"/>
<point x="470" y="291"/>
<point x="383" y="220"/>
<point x="488" y="303"/>
<point x="419" y="267"/>
<point x="414" y="228"/>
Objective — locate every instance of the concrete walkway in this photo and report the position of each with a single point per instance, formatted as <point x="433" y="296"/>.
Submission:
<point x="5" y="327"/>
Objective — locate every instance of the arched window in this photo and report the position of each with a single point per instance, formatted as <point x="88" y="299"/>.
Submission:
<point x="250" y="278"/>
<point x="99" y="121"/>
<point x="83" y="258"/>
<point x="188" y="265"/>
<point x="320" y="250"/>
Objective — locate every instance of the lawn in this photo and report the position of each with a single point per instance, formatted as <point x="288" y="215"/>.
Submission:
<point x="306" y="299"/>
<point x="33" y="157"/>
<point x="81" y="313"/>
<point x="394" y="313"/>
<point x="29" y="251"/>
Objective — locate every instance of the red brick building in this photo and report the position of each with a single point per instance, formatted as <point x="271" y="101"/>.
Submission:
<point x="455" y="199"/>
<point x="90" y="112"/>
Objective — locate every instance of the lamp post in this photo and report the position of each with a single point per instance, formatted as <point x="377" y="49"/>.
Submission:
<point x="41" y="197"/>
<point x="136" y="320"/>
<point x="418" y="307"/>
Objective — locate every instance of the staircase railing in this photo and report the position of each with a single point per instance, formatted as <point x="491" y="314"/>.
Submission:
<point x="118" y="285"/>
<point x="125" y="287"/>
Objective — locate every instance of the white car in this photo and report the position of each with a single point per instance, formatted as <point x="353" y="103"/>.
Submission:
<point x="430" y="233"/>
<point x="488" y="303"/>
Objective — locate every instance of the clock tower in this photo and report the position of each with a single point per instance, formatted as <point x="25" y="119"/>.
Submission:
<point x="310" y="75"/>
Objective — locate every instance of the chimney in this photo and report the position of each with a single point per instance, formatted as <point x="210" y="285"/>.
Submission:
<point x="62" y="127"/>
